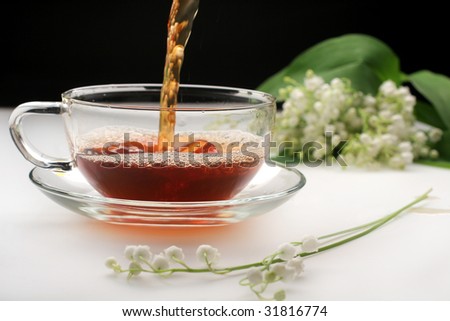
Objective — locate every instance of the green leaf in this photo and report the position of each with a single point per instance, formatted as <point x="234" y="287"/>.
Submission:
<point x="365" y="60"/>
<point x="443" y="146"/>
<point x="435" y="163"/>
<point x="436" y="88"/>
<point x="426" y="113"/>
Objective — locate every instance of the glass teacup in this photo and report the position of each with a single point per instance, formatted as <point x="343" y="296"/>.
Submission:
<point x="112" y="132"/>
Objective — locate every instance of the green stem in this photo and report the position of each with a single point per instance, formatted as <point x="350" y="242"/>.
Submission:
<point x="353" y="229"/>
<point x="346" y="231"/>
<point x="380" y="223"/>
<point x="181" y="262"/>
<point x="223" y="270"/>
<point x="370" y="228"/>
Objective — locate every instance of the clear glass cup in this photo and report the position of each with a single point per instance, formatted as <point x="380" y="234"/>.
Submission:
<point x="112" y="130"/>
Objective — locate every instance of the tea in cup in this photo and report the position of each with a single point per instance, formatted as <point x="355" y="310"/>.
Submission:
<point x="112" y="133"/>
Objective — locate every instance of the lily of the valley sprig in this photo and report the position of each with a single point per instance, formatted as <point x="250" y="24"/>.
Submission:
<point x="285" y="264"/>
<point x="374" y="131"/>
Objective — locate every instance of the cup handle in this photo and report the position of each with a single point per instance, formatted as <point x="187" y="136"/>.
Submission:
<point x="23" y="144"/>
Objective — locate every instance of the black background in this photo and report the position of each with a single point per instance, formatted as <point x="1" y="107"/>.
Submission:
<point x="50" y="47"/>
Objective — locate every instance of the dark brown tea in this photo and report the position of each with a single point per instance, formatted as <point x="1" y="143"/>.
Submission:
<point x="193" y="171"/>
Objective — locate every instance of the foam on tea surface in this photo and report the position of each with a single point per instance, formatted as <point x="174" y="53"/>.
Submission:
<point x="125" y="163"/>
<point x="189" y="149"/>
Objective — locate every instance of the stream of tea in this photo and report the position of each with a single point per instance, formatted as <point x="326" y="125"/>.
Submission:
<point x="141" y="165"/>
<point x="179" y="28"/>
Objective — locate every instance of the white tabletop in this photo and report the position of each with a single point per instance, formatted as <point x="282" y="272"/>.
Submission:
<point x="49" y="253"/>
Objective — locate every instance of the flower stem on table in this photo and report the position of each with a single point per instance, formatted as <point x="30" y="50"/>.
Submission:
<point x="285" y="264"/>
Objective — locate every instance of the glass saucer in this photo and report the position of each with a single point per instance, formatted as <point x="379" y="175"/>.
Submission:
<point x="271" y="187"/>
